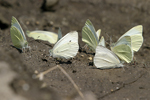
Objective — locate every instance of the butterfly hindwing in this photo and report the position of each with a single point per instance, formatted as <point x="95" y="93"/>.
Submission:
<point x="91" y="27"/>
<point x="124" y="52"/>
<point x="104" y="58"/>
<point x="67" y="47"/>
<point x="122" y="48"/>
<point x="17" y="38"/>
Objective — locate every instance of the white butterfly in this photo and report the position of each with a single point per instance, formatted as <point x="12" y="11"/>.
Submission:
<point x="67" y="47"/>
<point x="129" y="42"/>
<point x="17" y="35"/>
<point x="104" y="58"/>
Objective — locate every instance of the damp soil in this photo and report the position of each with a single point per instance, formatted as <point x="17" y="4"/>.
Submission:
<point x="113" y="17"/>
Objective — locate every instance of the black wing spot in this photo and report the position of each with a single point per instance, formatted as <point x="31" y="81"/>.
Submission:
<point x="70" y="41"/>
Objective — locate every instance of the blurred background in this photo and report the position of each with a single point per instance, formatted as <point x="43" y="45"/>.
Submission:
<point x="113" y="17"/>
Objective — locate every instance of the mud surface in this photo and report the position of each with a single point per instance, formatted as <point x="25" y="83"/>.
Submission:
<point x="113" y="17"/>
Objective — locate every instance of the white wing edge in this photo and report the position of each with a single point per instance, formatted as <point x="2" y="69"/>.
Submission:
<point x="98" y="33"/>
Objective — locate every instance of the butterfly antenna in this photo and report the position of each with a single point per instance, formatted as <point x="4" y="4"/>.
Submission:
<point x="110" y="43"/>
<point x="110" y="40"/>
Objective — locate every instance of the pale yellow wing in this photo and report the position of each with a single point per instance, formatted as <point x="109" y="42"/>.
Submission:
<point x="51" y="37"/>
<point x="136" y="37"/>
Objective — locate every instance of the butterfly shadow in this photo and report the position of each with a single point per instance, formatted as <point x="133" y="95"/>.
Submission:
<point x="108" y="68"/>
<point x="81" y="49"/>
<point x="63" y="61"/>
<point x="19" y="50"/>
<point x="44" y="42"/>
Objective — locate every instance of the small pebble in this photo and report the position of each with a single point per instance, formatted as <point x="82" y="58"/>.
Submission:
<point x="37" y="22"/>
<point x="43" y="85"/>
<point x="89" y="58"/>
<point x="27" y="22"/>
<point x="112" y="90"/>
<point x="25" y="87"/>
<point x="51" y="22"/>
<point x="36" y="72"/>
<point x="82" y="55"/>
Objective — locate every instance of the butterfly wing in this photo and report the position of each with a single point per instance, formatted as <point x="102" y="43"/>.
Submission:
<point x="51" y="37"/>
<point x="98" y="33"/>
<point x="102" y="42"/>
<point x="17" y="38"/>
<point x="89" y="38"/>
<point x="15" y="23"/>
<point x="67" y="47"/>
<point x="136" y="37"/>
<point x="124" y="40"/>
<point x="137" y="41"/>
<point x="59" y="34"/>
<point x="104" y="58"/>
<point x="123" y="50"/>
<point x="89" y="35"/>
<point x="91" y="27"/>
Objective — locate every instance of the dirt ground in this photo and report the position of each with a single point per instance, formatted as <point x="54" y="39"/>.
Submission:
<point x="113" y="17"/>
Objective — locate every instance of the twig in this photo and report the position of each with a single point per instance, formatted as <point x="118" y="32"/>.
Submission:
<point x="40" y="76"/>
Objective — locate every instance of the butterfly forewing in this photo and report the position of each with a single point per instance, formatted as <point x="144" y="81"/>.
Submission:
<point x="91" y="27"/>
<point x="15" y="23"/>
<point x="89" y="38"/>
<point x="137" y="41"/>
<point x="136" y="37"/>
